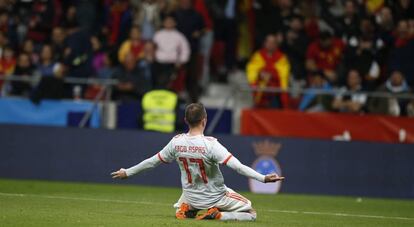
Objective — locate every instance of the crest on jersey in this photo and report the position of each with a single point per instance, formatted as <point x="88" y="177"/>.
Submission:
<point x="266" y="163"/>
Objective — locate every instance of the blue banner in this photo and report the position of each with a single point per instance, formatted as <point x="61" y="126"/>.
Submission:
<point x="48" y="112"/>
<point x="310" y="166"/>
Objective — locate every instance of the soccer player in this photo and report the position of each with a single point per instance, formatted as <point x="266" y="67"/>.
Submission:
<point x="198" y="157"/>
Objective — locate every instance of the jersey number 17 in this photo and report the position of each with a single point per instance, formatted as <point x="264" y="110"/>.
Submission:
<point x="200" y="163"/>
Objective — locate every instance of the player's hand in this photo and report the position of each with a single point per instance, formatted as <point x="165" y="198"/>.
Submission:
<point x="273" y="178"/>
<point x="120" y="174"/>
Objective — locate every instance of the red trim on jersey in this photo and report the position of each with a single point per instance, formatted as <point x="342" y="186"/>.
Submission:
<point x="162" y="160"/>
<point x="237" y="197"/>
<point x="227" y="159"/>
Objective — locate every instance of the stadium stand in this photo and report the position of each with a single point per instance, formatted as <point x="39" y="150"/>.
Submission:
<point x="313" y="56"/>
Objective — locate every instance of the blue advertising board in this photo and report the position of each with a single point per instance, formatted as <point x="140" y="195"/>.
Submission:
<point x="47" y="112"/>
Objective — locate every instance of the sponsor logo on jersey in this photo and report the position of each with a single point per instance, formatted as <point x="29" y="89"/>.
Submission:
<point x="266" y="163"/>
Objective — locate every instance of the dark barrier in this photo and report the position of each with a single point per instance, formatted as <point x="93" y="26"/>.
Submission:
<point x="311" y="166"/>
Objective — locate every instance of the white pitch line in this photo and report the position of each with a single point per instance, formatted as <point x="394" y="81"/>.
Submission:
<point x="165" y="204"/>
<point x="342" y="214"/>
<point x="82" y="199"/>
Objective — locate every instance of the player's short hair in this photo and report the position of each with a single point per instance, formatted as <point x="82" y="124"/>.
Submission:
<point x="194" y="114"/>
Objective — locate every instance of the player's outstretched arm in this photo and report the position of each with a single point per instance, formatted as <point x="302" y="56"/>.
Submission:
<point x="147" y="164"/>
<point x="244" y="170"/>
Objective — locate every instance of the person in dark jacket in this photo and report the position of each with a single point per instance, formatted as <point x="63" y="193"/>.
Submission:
<point x="191" y="24"/>
<point x="24" y="68"/>
<point x="396" y="84"/>
<point x="132" y="81"/>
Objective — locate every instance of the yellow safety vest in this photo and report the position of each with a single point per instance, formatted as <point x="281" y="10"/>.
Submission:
<point x="159" y="110"/>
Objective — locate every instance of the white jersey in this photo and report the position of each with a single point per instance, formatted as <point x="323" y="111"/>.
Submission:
<point x="199" y="158"/>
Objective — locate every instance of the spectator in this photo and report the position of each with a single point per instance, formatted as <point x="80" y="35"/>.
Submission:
<point x="107" y="69"/>
<point x="372" y="6"/>
<point x="366" y="28"/>
<point x="269" y="67"/>
<point x="47" y="63"/>
<point x="70" y="20"/>
<point x="8" y="26"/>
<point x="385" y="23"/>
<point x="410" y="109"/>
<point x="351" y="103"/>
<point x="7" y="62"/>
<point x="40" y="22"/>
<point x="24" y="69"/>
<point x="98" y="57"/>
<point x="206" y="40"/>
<point x="148" y="18"/>
<point x="3" y="42"/>
<point x="29" y="49"/>
<point x="364" y="58"/>
<point x="102" y="67"/>
<point x="403" y="53"/>
<point x="148" y="67"/>
<point x="403" y="9"/>
<point x="225" y="14"/>
<point x="313" y="101"/>
<point x="134" y="45"/>
<point x="294" y="45"/>
<point x="325" y="55"/>
<point x="350" y="22"/>
<point x="345" y="26"/>
<point x="78" y="53"/>
<point x="51" y="85"/>
<point x="58" y="42"/>
<point x="173" y="50"/>
<point x="396" y="84"/>
<point x="133" y="84"/>
<point x="118" y="21"/>
<point x="191" y="24"/>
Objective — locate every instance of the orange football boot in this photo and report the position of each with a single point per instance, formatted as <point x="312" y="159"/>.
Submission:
<point x="185" y="212"/>
<point x="211" y="214"/>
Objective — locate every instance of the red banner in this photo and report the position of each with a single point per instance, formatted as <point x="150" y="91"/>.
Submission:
<point x="327" y="126"/>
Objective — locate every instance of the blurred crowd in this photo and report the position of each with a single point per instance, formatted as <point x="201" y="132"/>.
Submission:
<point x="182" y="45"/>
<point x="351" y="46"/>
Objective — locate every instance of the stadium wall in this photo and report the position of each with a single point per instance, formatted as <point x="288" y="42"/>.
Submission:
<point x="311" y="166"/>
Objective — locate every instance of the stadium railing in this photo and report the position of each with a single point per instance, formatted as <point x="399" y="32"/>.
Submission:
<point x="230" y="101"/>
<point x="233" y="98"/>
<point x="104" y="95"/>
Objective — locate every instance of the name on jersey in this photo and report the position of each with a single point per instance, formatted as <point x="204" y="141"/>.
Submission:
<point x="190" y="149"/>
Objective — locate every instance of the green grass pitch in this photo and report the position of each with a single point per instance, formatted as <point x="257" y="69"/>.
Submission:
<point x="41" y="203"/>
